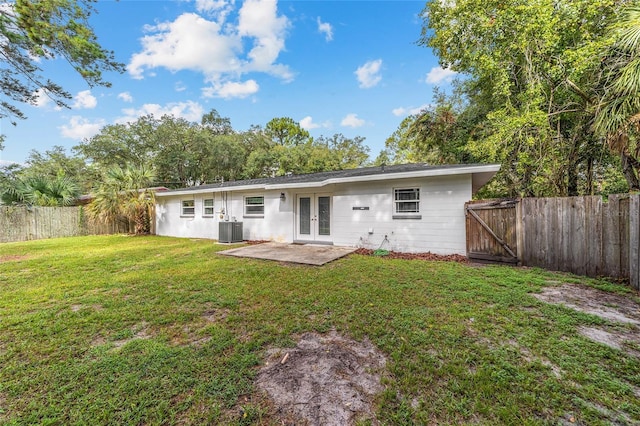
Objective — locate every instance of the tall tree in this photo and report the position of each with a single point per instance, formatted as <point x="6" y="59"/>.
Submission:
<point x="125" y="192"/>
<point x="36" y="30"/>
<point x="348" y="153"/>
<point x="286" y="132"/>
<point x="437" y="135"/>
<point x="217" y="124"/>
<point x="122" y="144"/>
<point x="618" y="109"/>
<point x="56" y="162"/>
<point x="530" y="69"/>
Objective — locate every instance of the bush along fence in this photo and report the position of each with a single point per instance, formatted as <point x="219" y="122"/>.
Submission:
<point x="582" y="235"/>
<point x="22" y="223"/>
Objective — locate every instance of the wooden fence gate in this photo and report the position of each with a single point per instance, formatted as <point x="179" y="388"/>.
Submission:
<point x="583" y="235"/>
<point x="492" y="230"/>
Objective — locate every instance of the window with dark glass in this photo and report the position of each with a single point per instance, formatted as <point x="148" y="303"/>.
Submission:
<point x="406" y="200"/>
<point x="188" y="207"/>
<point x="254" y="206"/>
<point x="207" y="205"/>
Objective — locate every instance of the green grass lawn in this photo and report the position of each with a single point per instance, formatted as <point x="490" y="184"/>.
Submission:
<point x="155" y="330"/>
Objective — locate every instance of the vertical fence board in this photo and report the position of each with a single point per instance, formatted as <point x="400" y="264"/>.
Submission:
<point x="576" y="262"/>
<point x="611" y="237"/>
<point x="624" y="237"/>
<point x="634" y="238"/>
<point x="554" y="255"/>
<point x="525" y="250"/>
<point x="20" y="223"/>
<point x="582" y="235"/>
<point x="593" y="230"/>
<point x="520" y="238"/>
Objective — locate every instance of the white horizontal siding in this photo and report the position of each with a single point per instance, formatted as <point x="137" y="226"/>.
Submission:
<point x="441" y="228"/>
<point x="170" y="222"/>
<point x="276" y="225"/>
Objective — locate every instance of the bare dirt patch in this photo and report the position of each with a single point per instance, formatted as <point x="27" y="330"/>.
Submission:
<point x="13" y="257"/>
<point x="531" y="358"/>
<point x="614" y="307"/>
<point x="195" y="333"/>
<point x="610" y="306"/>
<point x="78" y="307"/>
<point x="190" y="335"/>
<point x="325" y="380"/>
<point x="140" y="331"/>
<point x="215" y="315"/>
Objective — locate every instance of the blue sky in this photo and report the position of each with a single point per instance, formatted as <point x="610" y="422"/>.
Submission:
<point x="350" y="67"/>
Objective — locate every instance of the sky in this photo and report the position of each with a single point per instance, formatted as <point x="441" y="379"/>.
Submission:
<point x="349" y="67"/>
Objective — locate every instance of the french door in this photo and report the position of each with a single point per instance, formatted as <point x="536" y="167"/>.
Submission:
<point x="313" y="217"/>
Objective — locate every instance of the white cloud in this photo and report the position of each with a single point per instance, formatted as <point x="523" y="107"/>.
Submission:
<point x="439" y="74"/>
<point x="210" y="5"/>
<point x="85" y="100"/>
<point x="180" y="86"/>
<point x="231" y="90"/>
<point x="352" y="120"/>
<point x="326" y="29"/>
<point x="42" y="100"/>
<point x="216" y="48"/>
<point x="308" y="124"/>
<point x="189" y="110"/>
<point x="188" y="43"/>
<point x="259" y="20"/>
<point x="369" y="74"/>
<point x="409" y="110"/>
<point x="125" y="96"/>
<point x="6" y="163"/>
<point x="80" y="128"/>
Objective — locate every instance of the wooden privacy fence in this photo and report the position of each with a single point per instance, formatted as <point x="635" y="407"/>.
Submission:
<point x="582" y="235"/>
<point x="21" y="223"/>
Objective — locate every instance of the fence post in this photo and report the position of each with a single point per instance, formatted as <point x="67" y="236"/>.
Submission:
<point x="634" y="241"/>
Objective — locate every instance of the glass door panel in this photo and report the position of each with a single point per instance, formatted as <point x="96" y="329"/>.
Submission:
<point x="324" y="215"/>
<point x="305" y="216"/>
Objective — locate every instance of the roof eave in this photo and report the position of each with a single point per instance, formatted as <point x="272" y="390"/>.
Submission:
<point x="481" y="175"/>
<point x="197" y="190"/>
<point x="489" y="168"/>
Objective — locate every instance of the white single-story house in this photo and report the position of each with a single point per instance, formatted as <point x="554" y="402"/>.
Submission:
<point x="406" y="208"/>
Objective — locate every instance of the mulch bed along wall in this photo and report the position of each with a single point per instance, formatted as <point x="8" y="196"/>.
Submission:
<point x="416" y="256"/>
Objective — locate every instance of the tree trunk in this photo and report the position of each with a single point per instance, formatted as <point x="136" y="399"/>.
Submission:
<point x="573" y="161"/>
<point x="572" y="181"/>
<point x="631" y="169"/>
<point x="139" y="222"/>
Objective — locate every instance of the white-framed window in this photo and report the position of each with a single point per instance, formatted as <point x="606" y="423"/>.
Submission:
<point x="406" y="203"/>
<point x="188" y="208"/>
<point x="207" y="207"/>
<point x="254" y="205"/>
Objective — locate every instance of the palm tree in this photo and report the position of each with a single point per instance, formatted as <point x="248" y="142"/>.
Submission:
<point x="125" y="192"/>
<point x="42" y="191"/>
<point x="618" y="112"/>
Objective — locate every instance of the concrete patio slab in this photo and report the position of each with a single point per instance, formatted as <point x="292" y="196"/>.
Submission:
<point x="308" y="254"/>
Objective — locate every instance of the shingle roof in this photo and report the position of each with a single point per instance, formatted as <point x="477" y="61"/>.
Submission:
<point x="323" y="176"/>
